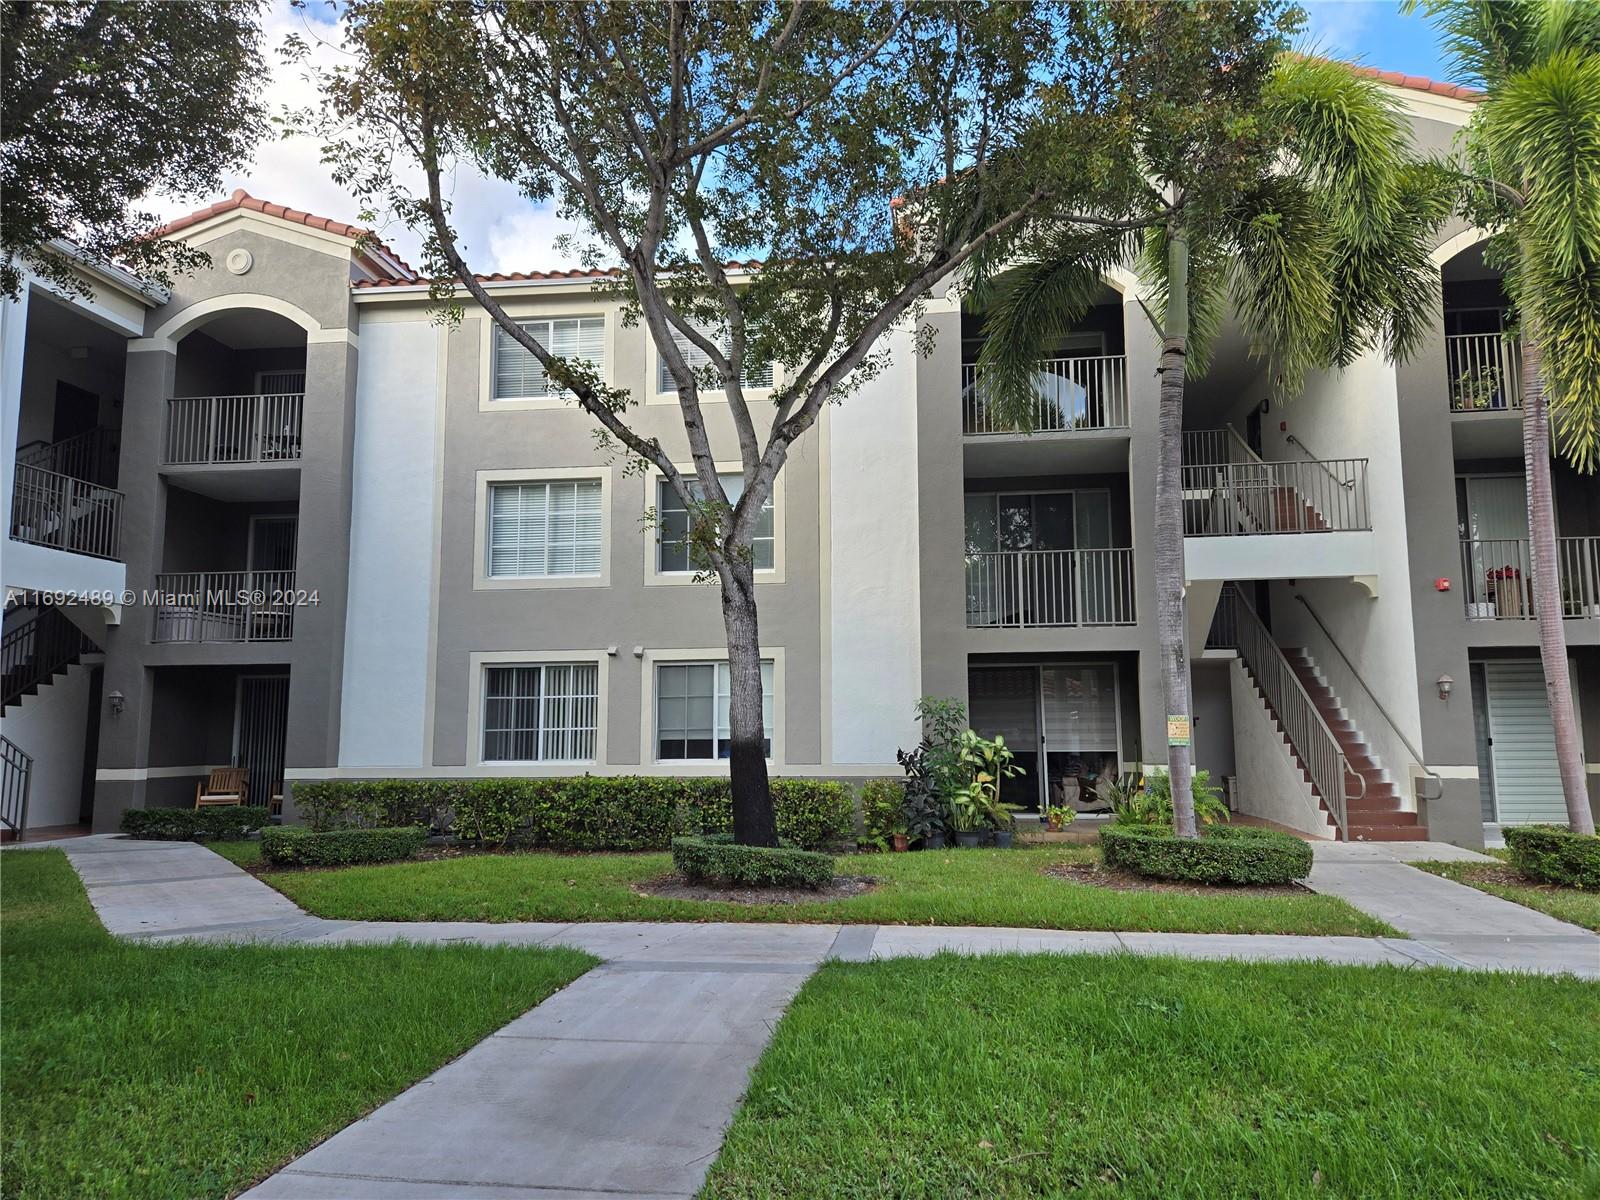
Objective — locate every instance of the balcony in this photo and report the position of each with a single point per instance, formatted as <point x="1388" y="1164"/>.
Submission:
<point x="1025" y="589"/>
<point x="1239" y="499"/>
<point x="1497" y="578"/>
<point x="1070" y="394"/>
<point x="225" y="606"/>
<point x="57" y="511"/>
<point x="1484" y="372"/>
<point x="212" y="430"/>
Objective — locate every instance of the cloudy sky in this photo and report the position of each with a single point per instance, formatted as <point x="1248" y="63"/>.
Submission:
<point x="503" y="232"/>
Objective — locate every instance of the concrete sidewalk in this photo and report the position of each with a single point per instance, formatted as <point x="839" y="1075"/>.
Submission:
<point x="623" y="1083"/>
<point x="1466" y="927"/>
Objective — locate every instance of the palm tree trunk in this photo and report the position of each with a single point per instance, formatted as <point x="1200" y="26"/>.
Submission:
<point x="1169" y="525"/>
<point x="754" y="822"/>
<point x="1547" y="583"/>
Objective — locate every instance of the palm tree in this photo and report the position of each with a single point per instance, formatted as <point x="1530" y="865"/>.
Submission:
<point x="1291" y="195"/>
<point x="1530" y="161"/>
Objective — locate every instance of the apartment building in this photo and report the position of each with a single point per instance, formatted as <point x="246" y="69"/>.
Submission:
<point x="282" y="518"/>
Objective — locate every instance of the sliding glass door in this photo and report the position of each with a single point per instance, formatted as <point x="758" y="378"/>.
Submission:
<point x="1062" y="721"/>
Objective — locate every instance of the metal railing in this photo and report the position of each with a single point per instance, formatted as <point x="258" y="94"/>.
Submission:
<point x="1030" y="588"/>
<point x="16" y="777"/>
<point x="51" y="509"/>
<point x="34" y="649"/>
<point x="1484" y="371"/>
<point x="90" y="456"/>
<point x="233" y="429"/>
<point x="1313" y="742"/>
<point x="1069" y="394"/>
<point x="1237" y="498"/>
<point x="225" y="606"/>
<point x="1497" y="578"/>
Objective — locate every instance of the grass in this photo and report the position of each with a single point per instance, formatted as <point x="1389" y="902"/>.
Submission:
<point x="1126" y="1077"/>
<point x="1563" y="903"/>
<point x="193" y="1070"/>
<point x="959" y="887"/>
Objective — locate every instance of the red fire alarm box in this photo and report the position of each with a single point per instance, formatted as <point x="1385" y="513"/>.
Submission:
<point x="1441" y="585"/>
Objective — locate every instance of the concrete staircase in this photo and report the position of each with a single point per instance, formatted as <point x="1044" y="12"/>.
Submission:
<point x="1375" y="814"/>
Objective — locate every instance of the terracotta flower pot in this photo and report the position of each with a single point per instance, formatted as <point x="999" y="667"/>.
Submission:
<point x="900" y="842"/>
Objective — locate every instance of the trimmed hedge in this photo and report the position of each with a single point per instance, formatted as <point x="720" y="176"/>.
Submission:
<point x="297" y="846"/>
<point x="883" y="809"/>
<point x="580" y="812"/>
<point x="1552" y="854"/>
<point x="225" y="823"/>
<point x="1222" y="854"/>
<point x="717" y="859"/>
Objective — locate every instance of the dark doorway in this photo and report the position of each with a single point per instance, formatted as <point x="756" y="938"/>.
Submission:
<point x="77" y="411"/>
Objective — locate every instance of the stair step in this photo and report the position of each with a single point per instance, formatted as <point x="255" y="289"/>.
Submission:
<point x="1369" y="818"/>
<point x="1388" y="833"/>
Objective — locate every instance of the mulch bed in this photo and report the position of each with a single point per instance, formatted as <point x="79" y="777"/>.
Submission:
<point x="675" y="887"/>
<point x="1098" y="875"/>
<point x="1506" y="876"/>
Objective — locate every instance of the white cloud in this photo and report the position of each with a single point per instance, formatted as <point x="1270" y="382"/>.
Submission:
<point x="499" y="229"/>
<point x="1335" y="27"/>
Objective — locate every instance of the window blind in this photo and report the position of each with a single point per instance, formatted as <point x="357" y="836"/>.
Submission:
<point x="544" y="529"/>
<point x="756" y="375"/>
<point x="518" y="375"/>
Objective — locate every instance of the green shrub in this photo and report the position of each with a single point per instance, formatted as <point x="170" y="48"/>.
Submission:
<point x="717" y="859"/>
<point x="225" y="823"/>
<point x="883" y="811"/>
<point x="1552" y="854"/>
<point x="297" y="846"/>
<point x="579" y="812"/>
<point x="1222" y="854"/>
<point x="1152" y="803"/>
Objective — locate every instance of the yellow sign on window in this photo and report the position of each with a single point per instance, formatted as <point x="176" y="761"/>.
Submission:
<point x="1177" y="731"/>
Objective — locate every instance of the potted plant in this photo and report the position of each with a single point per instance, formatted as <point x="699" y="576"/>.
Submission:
<point x="987" y="763"/>
<point x="922" y="814"/>
<point x="899" y="840"/>
<point x="1058" y="816"/>
<point x="967" y="816"/>
<point x="1005" y="831"/>
<point x="1505" y="585"/>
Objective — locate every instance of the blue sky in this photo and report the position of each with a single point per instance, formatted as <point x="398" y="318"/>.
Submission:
<point x="501" y="231"/>
<point x="1376" y="34"/>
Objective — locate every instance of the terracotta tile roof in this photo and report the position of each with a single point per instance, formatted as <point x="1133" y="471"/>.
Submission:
<point x="535" y="276"/>
<point x="1420" y="83"/>
<point x="395" y="270"/>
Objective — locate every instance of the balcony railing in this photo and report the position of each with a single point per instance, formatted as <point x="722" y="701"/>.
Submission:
<point x="1031" y="588"/>
<point x="1497" y="578"/>
<point x="225" y="606"/>
<point x="1484" y="371"/>
<point x="1239" y="498"/>
<point x="51" y="509"/>
<point x="1068" y="394"/>
<point x="233" y="429"/>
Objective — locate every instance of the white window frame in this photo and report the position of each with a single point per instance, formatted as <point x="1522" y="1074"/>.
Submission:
<point x="550" y="311"/>
<point x="649" y="744"/>
<point x="477" y="703"/>
<point x="654" y="576"/>
<point x="652" y="382"/>
<point x="482" y="580"/>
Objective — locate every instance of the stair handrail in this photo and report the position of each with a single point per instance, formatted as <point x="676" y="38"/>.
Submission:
<point x="35" y="649"/>
<point x="1250" y="456"/>
<point x="16" y="779"/>
<point x="1314" y="458"/>
<point x="1393" y="724"/>
<point x="1327" y="764"/>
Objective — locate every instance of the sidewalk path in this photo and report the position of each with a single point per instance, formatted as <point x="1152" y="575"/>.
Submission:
<point x="622" y="1084"/>
<point x="1467" y="927"/>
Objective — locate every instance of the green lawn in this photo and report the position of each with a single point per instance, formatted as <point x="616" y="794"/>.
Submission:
<point x="958" y="887"/>
<point x="192" y="1070"/>
<point x="1134" y="1077"/>
<point x="1565" y="904"/>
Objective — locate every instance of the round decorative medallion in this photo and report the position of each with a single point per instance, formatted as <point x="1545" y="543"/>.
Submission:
<point x="240" y="260"/>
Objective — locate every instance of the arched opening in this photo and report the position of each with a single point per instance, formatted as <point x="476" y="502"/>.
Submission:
<point x="1481" y="360"/>
<point x="239" y="390"/>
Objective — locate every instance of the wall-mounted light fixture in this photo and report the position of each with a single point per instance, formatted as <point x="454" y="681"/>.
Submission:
<point x="1445" y="685"/>
<point x="117" y="701"/>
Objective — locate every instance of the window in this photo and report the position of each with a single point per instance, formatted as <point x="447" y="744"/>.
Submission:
<point x="518" y="375"/>
<point x="692" y="710"/>
<point x="756" y="375"/>
<point x="672" y="527"/>
<point x="545" y="713"/>
<point x="538" y="530"/>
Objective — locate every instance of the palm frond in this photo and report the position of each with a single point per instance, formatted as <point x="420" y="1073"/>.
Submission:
<point x="1030" y="306"/>
<point x="1485" y="41"/>
<point x="1283" y="243"/>
<point x="1565" y="313"/>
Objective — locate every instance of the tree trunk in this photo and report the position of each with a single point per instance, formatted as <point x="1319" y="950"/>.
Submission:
<point x="754" y="822"/>
<point x="1546" y="590"/>
<point x="1169" y="527"/>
